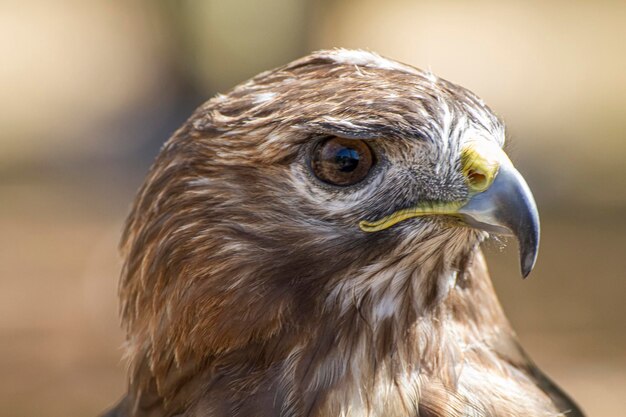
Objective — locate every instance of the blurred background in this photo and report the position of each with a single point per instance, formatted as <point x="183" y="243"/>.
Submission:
<point x="90" y="90"/>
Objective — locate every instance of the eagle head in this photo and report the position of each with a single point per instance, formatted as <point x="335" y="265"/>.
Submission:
<point x="313" y="233"/>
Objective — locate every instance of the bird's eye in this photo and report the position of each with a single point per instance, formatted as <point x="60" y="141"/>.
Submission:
<point x="341" y="161"/>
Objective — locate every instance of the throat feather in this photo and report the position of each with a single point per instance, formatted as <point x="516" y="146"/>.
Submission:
<point x="414" y="343"/>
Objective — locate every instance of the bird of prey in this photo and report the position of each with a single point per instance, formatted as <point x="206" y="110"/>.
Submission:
<point x="307" y="245"/>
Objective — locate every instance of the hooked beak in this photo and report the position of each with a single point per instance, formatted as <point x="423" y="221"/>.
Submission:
<point x="500" y="202"/>
<point x="508" y="208"/>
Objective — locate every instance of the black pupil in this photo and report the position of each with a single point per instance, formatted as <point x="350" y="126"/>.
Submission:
<point x="347" y="159"/>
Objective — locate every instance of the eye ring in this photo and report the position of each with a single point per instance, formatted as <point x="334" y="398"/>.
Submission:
<point x="342" y="162"/>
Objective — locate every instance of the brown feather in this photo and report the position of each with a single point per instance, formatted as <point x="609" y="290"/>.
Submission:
<point x="248" y="290"/>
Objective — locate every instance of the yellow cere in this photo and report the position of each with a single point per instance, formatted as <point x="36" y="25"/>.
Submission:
<point x="480" y="161"/>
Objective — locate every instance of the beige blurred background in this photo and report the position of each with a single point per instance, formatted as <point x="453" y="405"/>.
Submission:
<point x="89" y="91"/>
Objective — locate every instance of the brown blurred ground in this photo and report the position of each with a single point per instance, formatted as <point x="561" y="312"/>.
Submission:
<point x="91" y="89"/>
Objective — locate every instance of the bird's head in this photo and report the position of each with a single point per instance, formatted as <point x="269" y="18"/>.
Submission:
<point x="339" y="167"/>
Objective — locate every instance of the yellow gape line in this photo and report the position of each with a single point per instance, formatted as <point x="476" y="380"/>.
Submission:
<point x="425" y="209"/>
<point x="480" y="162"/>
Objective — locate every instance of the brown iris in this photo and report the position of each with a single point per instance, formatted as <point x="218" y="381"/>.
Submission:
<point x="341" y="161"/>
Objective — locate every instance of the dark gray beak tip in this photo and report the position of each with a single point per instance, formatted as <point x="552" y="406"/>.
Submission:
<point x="528" y="263"/>
<point x="529" y="247"/>
<point x="527" y="231"/>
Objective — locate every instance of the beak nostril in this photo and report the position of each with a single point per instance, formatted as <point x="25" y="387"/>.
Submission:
<point x="477" y="179"/>
<point x="480" y="163"/>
